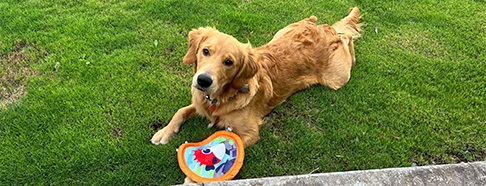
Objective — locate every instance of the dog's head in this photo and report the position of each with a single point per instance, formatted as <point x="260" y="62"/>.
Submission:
<point x="220" y="61"/>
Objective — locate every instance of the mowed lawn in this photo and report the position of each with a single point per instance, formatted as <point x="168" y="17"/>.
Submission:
<point x="85" y="85"/>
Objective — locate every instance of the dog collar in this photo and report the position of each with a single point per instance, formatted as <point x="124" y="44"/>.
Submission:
<point x="213" y="102"/>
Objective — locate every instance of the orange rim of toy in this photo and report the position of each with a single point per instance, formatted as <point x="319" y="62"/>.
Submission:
<point x="235" y="168"/>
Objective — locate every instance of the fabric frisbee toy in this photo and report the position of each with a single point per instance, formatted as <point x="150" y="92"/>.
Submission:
<point x="219" y="157"/>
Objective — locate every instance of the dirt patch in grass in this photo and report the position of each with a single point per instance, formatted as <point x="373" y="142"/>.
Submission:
<point x="469" y="154"/>
<point x="157" y="125"/>
<point x="117" y="133"/>
<point x="273" y="125"/>
<point x="418" y="42"/>
<point x="15" y="68"/>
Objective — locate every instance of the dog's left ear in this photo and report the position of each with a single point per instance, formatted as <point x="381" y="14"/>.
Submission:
<point x="195" y="37"/>
<point x="248" y="69"/>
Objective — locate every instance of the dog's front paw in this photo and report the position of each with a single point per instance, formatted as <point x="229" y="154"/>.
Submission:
<point x="211" y="125"/>
<point x="162" y="136"/>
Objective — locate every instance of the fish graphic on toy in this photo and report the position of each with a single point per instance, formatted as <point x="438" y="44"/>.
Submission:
<point x="217" y="158"/>
<point x="210" y="156"/>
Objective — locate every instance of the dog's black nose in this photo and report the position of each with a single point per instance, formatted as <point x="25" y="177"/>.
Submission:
<point x="204" y="80"/>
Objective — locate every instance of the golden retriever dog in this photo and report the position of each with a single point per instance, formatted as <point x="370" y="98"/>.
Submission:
<point x="236" y="85"/>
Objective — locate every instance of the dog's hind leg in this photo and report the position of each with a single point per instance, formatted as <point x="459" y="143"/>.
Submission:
<point x="349" y="24"/>
<point x="163" y="135"/>
<point x="350" y="28"/>
<point x="340" y="38"/>
<point x="338" y="70"/>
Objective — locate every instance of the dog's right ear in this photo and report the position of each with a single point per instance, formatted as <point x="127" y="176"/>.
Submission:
<point x="247" y="70"/>
<point x="195" y="38"/>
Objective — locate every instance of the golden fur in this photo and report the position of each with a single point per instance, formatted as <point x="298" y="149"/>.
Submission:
<point x="247" y="83"/>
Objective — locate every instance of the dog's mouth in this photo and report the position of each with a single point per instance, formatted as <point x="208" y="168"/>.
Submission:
<point x="205" y="90"/>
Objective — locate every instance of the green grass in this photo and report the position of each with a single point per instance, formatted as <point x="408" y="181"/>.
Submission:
<point x="417" y="94"/>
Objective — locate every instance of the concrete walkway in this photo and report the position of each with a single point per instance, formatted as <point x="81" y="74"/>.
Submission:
<point x="452" y="174"/>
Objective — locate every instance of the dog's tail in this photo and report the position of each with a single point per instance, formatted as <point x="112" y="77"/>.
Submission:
<point x="349" y="25"/>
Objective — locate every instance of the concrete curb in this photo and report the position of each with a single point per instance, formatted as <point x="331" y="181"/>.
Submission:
<point x="451" y="174"/>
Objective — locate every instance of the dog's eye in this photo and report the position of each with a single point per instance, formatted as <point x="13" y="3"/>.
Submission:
<point x="205" y="52"/>
<point x="228" y="63"/>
